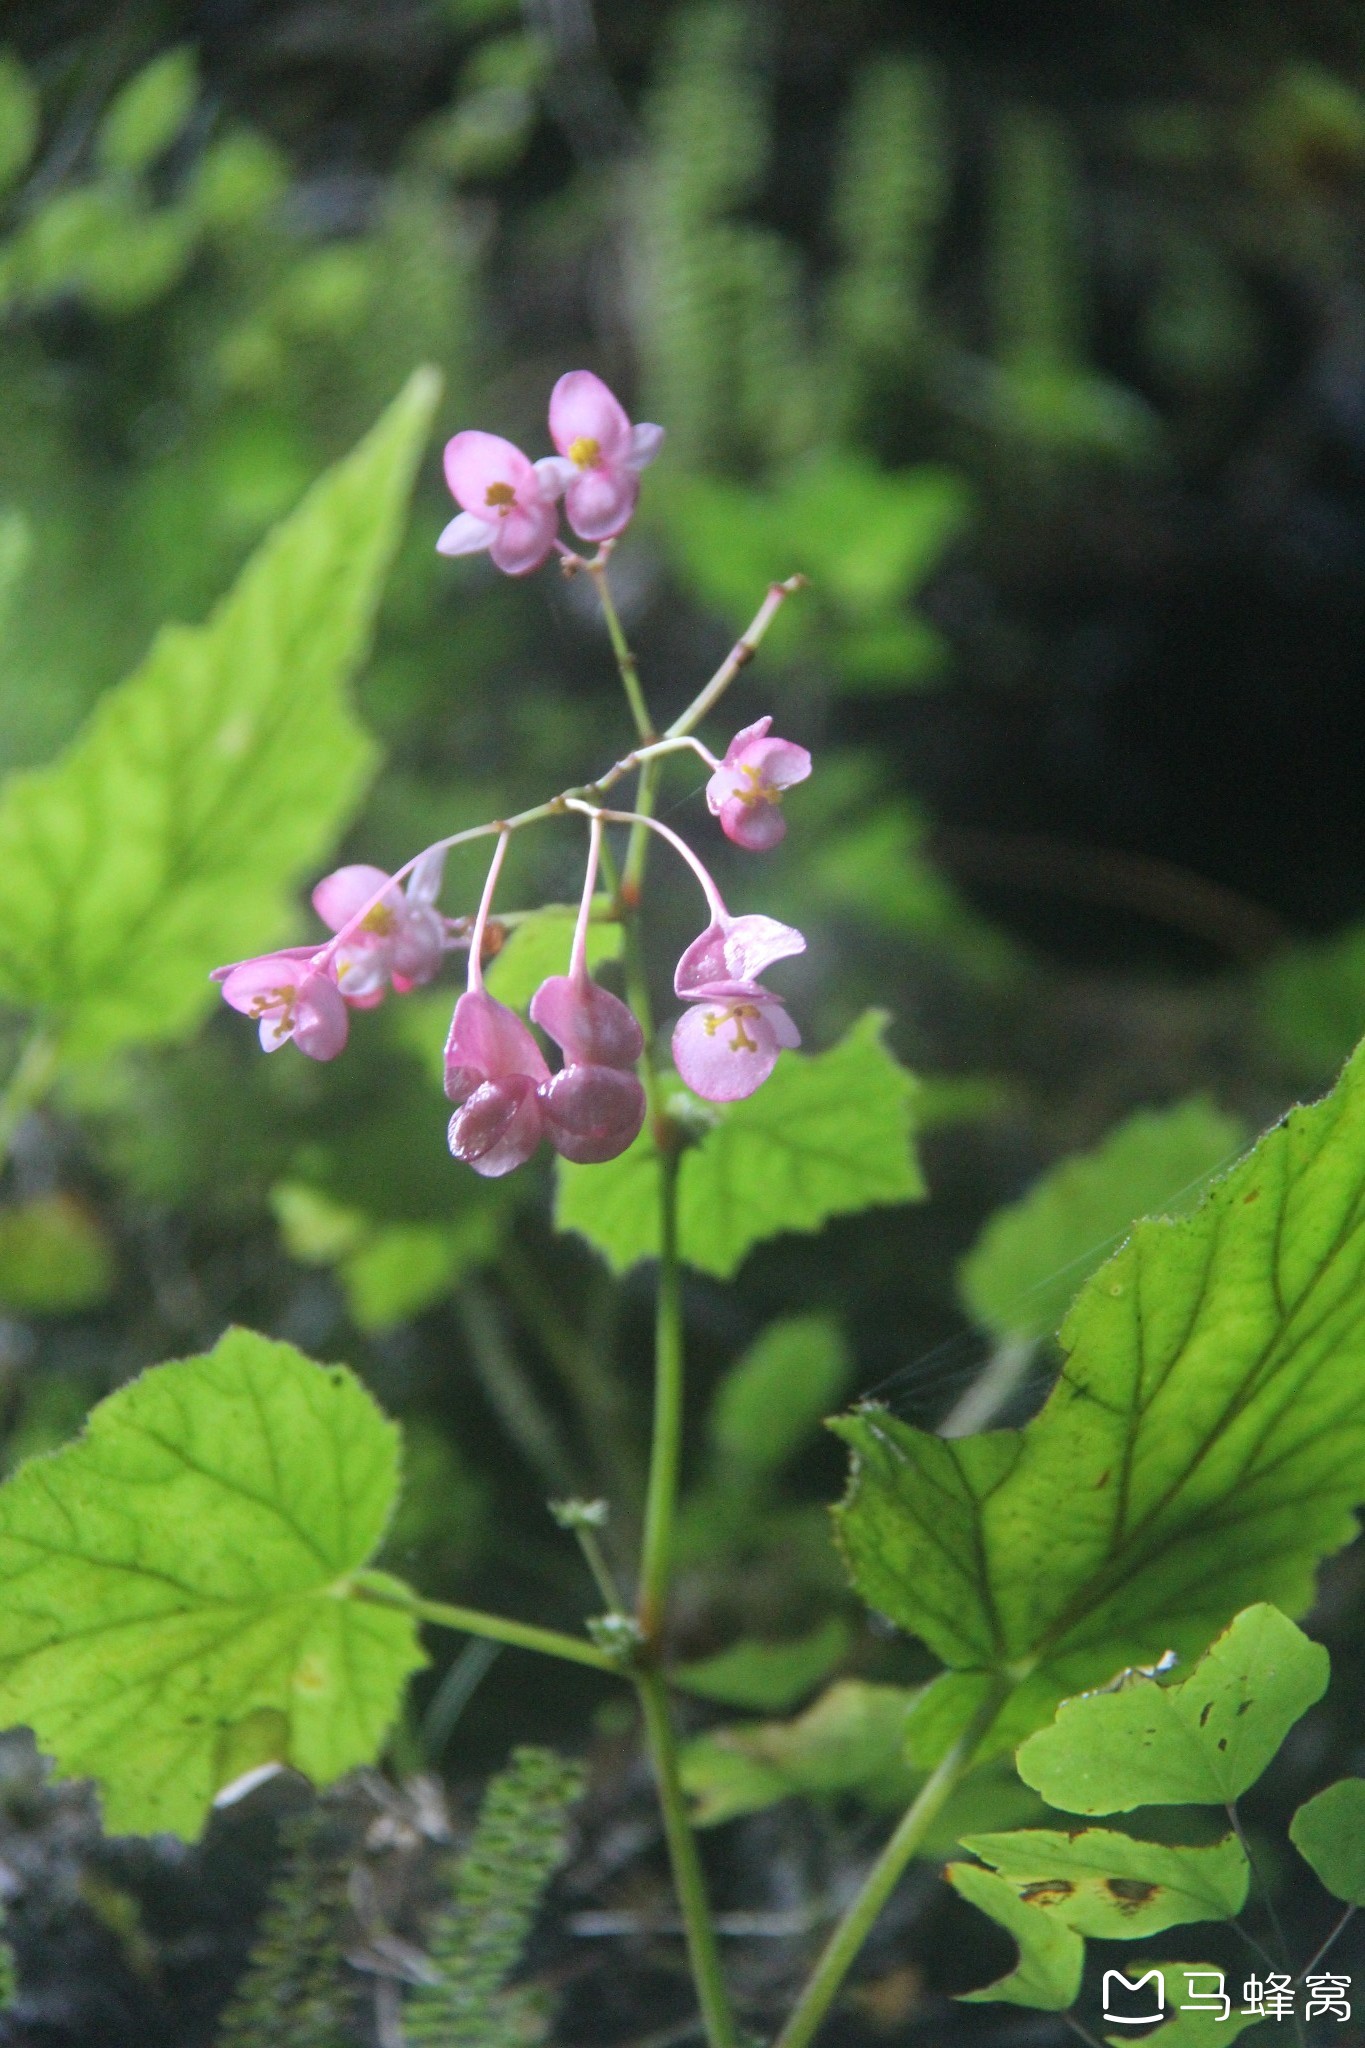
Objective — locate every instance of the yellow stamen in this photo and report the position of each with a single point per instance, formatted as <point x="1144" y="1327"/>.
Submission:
<point x="502" y="497"/>
<point x="380" y="921"/>
<point x="761" y="792"/>
<point x="585" y="451"/>
<point x="735" y="1014"/>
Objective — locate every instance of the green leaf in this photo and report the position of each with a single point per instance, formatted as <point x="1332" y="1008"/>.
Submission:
<point x="769" y="1678"/>
<point x="171" y="833"/>
<point x="148" y="114"/>
<point x="1329" y="1833"/>
<point x="773" y="1396"/>
<point x="1051" y="1957"/>
<point x="20" y="115"/>
<point x="1024" y="1269"/>
<point x="175" y="1604"/>
<point x="1203" y="1447"/>
<point x="1201" y="1743"/>
<point x="539" y="946"/>
<point x="1113" y="1887"/>
<point x="54" y="1257"/>
<point x="828" y="1135"/>
<point x="850" y="1740"/>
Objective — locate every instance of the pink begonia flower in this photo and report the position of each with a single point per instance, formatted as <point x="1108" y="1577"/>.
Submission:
<point x="401" y="937"/>
<point x="291" y="998"/>
<point x="745" y="792"/>
<point x="493" y="1070"/>
<point x="508" y="501"/>
<point x="726" y="1045"/>
<point x="600" y="455"/>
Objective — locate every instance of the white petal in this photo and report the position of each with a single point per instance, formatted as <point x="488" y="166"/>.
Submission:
<point x="465" y="535"/>
<point x="645" y="443"/>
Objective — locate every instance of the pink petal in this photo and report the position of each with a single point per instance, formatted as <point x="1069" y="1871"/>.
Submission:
<point x="361" y="969"/>
<point x="465" y="535"/>
<point x="702" y="964"/>
<point x="280" y="953"/>
<point x="415" y="954"/>
<point x="752" y="944"/>
<point x="555" y="473"/>
<point x="779" y="763"/>
<point x="645" y="443"/>
<point x="583" y="409"/>
<point x="321" y="1018"/>
<point x="371" y="999"/>
<point x="424" y="882"/>
<point x="477" y="463"/>
<point x="724" y="1051"/>
<point x="782" y="1028"/>
<point x="488" y="1042"/>
<point x="340" y="895"/>
<point x="754" y="826"/>
<point x="745" y="737"/>
<point x="593" y="1113"/>
<point x="600" y="501"/>
<point x="587" y="1022"/>
<point x="267" y="983"/>
<point x="524" y="538"/>
<point x="499" y="1127"/>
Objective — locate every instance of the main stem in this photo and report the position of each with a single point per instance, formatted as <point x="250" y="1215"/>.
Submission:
<point x="688" y="1880"/>
<point x="858" y="1922"/>
<point x="661" y="1498"/>
<point x="620" y="647"/>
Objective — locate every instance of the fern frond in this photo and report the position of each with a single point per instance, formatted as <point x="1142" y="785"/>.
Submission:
<point x="477" y="1940"/>
<point x="297" y="1990"/>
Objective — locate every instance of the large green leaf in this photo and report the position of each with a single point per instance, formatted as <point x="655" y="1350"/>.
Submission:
<point x="174" y="1585"/>
<point x="1329" y="1833"/>
<point x="1204" y="1445"/>
<point x="1023" y="1271"/>
<point x="1114" y="1887"/>
<point x="830" y="1134"/>
<point x="1051" y="1956"/>
<point x="1201" y="1743"/>
<point x="171" y="833"/>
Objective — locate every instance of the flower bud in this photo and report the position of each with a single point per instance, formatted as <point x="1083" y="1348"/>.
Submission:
<point x="498" y="1127"/>
<point x="592" y="1113"/>
<point x="587" y="1022"/>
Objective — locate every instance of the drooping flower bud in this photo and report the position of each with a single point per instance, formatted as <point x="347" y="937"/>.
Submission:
<point x="592" y="1113"/>
<point x="587" y="1022"/>
<point x="488" y="1042"/>
<point x="498" y="1126"/>
<point x="745" y="792"/>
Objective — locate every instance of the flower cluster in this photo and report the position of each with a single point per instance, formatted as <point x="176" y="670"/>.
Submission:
<point x="509" y="503"/>
<point x="388" y="934"/>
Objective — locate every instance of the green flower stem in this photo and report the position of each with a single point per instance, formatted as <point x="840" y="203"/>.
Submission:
<point x="702" y="1950"/>
<point x="842" y="1948"/>
<point x="665" y="1458"/>
<point x="637" y="846"/>
<point x="743" y="651"/>
<point x="472" y="1621"/>
<point x="620" y="646"/>
<point x="32" y="1077"/>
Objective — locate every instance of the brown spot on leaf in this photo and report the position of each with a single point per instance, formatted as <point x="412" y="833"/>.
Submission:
<point x="1128" y="1893"/>
<point x="1047" y="1891"/>
<point x="1204" y="1713"/>
<point x="1222" y="1742"/>
<point x="1103" y="1479"/>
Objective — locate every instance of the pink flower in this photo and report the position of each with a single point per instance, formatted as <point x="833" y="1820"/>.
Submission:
<point x="508" y="501"/>
<point x="493" y="1069"/>
<point x="726" y="1044"/>
<point x="595" y="1105"/>
<point x="745" y="792"/>
<point x="400" y="939"/>
<point x="600" y="455"/>
<point x="291" y="998"/>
